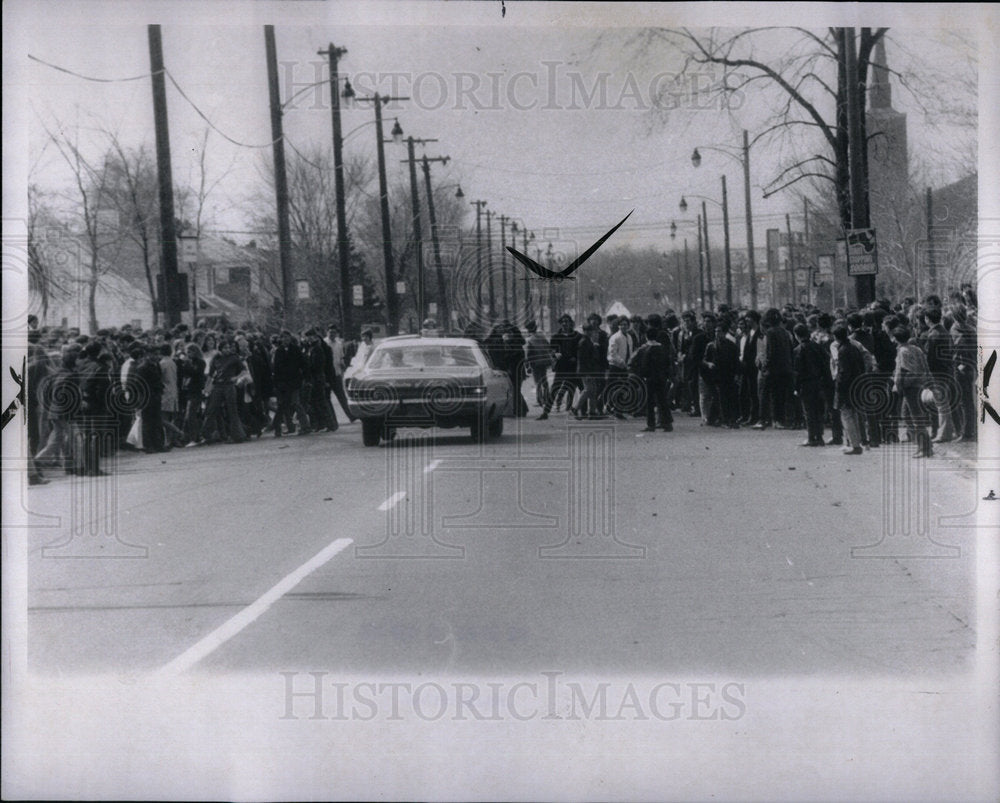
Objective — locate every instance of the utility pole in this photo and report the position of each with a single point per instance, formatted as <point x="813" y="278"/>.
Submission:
<point x="442" y="291"/>
<point x="749" y="216"/>
<point x="391" y="302"/>
<point x="864" y="286"/>
<point x="280" y="177"/>
<point x="701" y="267"/>
<point x="680" y="279"/>
<point x="343" y="243"/>
<point x="708" y="260"/>
<point x="931" y="266"/>
<point x="479" y="257"/>
<point x="513" y="269"/>
<point x="551" y="285"/>
<point x="417" y="229"/>
<point x="791" y="260"/>
<point x="171" y="295"/>
<point x="527" y="280"/>
<point x="687" y="273"/>
<point x="725" y="230"/>
<point x="503" y="263"/>
<point x="489" y="258"/>
<point x="807" y="245"/>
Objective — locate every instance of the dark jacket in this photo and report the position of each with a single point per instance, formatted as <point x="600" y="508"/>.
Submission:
<point x="287" y="367"/>
<point x="191" y="373"/>
<point x="777" y="357"/>
<point x="95" y="384"/>
<point x="693" y="345"/>
<point x="588" y="357"/>
<point x="812" y="365"/>
<point x="565" y="346"/>
<point x="725" y="357"/>
<point x="850" y="366"/>
<point x="939" y="351"/>
<point x="149" y="379"/>
<point x="652" y="361"/>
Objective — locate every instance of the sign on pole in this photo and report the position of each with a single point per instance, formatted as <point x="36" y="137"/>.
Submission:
<point x="401" y="288"/>
<point x="862" y="252"/>
<point x="302" y="289"/>
<point x="189" y="249"/>
<point x="824" y="263"/>
<point x="359" y="295"/>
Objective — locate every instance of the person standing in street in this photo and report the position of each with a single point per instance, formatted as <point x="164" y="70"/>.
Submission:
<point x="94" y="423"/>
<point x="910" y="378"/>
<point x="847" y="368"/>
<point x="565" y="343"/>
<point x="221" y="413"/>
<point x="538" y="354"/>
<point x="287" y="370"/>
<point x="811" y="367"/>
<point x="336" y="345"/>
<point x="619" y="355"/>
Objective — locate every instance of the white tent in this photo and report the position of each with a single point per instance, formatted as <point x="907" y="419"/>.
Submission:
<point x="617" y="308"/>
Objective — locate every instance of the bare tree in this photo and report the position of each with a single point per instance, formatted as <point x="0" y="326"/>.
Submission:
<point x="192" y="200"/>
<point x="132" y="188"/>
<point x="92" y="200"/>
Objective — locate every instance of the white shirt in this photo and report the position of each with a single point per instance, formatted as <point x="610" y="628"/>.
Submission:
<point x="619" y="349"/>
<point x="337" y="347"/>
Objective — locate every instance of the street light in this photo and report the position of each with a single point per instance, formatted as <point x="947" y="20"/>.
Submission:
<point x="683" y="204"/>
<point x="392" y="311"/>
<point x="708" y="258"/>
<point x="744" y="159"/>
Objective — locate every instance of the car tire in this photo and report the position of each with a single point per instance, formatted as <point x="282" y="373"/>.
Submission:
<point x="371" y="431"/>
<point x="480" y="429"/>
<point x="496" y="427"/>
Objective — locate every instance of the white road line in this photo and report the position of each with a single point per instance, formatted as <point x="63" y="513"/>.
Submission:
<point x="431" y="466"/>
<point x="392" y="501"/>
<point x="222" y="634"/>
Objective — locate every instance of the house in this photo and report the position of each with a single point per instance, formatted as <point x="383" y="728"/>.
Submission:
<point x="226" y="280"/>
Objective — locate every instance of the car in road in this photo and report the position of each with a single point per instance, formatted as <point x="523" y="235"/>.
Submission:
<point x="415" y="381"/>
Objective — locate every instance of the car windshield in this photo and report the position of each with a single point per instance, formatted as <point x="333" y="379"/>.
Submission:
<point x="421" y="356"/>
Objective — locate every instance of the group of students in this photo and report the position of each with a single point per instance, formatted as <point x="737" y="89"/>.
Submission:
<point x="153" y="391"/>
<point x="864" y="374"/>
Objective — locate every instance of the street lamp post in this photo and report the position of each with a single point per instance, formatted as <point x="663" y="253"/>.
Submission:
<point x="444" y="308"/>
<point x="708" y="259"/>
<point x="529" y="236"/>
<point x="503" y="263"/>
<point x="391" y="303"/>
<point x="745" y="160"/>
<point x="701" y="268"/>
<point x="513" y="275"/>
<point x="489" y="259"/>
<point x="343" y="244"/>
<point x="417" y="227"/>
<point x="479" y="256"/>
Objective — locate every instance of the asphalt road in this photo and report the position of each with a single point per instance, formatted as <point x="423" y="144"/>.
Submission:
<point x="564" y="545"/>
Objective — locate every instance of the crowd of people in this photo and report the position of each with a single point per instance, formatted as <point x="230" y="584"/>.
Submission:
<point x="88" y="396"/>
<point x="869" y="376"/>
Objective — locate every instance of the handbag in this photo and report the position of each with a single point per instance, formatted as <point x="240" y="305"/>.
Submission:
<point x="134" y="437"/>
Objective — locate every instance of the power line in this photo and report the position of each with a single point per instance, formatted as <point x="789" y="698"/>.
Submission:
<point x="212" y="125"/>
<point x="89" y="77"/>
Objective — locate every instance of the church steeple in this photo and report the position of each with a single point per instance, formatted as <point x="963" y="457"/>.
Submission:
<point x="879" y="92"/>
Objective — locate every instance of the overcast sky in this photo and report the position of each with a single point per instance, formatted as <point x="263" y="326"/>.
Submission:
<point x="545" y="112"/>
